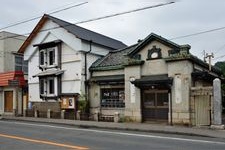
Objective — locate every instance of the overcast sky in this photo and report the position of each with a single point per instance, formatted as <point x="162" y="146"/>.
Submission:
<point x="184" y="17"/>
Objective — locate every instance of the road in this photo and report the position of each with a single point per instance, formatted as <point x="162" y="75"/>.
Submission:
<point x="26" y="135"/>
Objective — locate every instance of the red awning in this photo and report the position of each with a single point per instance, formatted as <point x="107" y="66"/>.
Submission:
<point x="15" y="76"/>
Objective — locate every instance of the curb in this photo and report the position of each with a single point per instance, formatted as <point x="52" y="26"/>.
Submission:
<point x="107" y="126"/>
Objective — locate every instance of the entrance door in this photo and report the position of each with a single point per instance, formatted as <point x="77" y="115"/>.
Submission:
<point x="202" y="109"/>
<point x="155" y="106"/>
<point x="8" y="101"/>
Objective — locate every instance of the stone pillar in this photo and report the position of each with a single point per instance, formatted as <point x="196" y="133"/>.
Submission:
<point x="217" y="104"/>
<point x="14" y="112"/>
<point x="62" y="114"/>
<point x="78" y="115"/>
<point x="49" y="113"/>
<point x="116" y="117"/>
<point x="96" y="116"/>
<point x="24" y="112"/>
<point x="35" y="113"/>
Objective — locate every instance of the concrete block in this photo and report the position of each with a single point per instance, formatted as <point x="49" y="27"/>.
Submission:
<point x="116" y="117"/>
<point x="62" y="114"/>
<point x="78" y="115"/>
<point x="217" y="127"/>
<point x="96" y="115"/>
<point x="49" y="113"/>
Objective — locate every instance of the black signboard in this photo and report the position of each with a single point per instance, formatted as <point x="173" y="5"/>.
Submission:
<point x="13" y="82"/>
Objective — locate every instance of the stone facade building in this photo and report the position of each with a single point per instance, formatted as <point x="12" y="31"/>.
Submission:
<point x="153" y="80"/>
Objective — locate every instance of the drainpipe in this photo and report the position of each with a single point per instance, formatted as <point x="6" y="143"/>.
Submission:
<point x="171" y="110"/>
<point x="85" y="71"/>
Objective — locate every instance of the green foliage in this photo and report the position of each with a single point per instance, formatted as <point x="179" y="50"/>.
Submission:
<point x="125" y="119"/>
<point x="83" y="105"/>
<point x="221" y="65"/>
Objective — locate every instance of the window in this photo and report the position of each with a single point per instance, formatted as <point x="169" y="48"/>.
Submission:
<point x="47" y="87"/>
<point x="42" y="58"/>
<point x="18" y="63"/>
<point x="48" y="57"/>
<point x="25" y="67"/>
<point x="51" y="57"/>
<point x="42" y="86"/>
<point x="113" y="98"/>
<point x="51" y="86"/>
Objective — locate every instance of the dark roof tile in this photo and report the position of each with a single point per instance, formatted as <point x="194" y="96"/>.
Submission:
<point x="88" y="35"/>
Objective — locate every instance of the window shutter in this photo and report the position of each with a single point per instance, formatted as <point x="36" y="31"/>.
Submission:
<point x="41" y="58"/>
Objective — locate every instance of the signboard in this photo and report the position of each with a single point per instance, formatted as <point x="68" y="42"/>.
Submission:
<point x="68" y="103"/>
<point x="13" y="82"/>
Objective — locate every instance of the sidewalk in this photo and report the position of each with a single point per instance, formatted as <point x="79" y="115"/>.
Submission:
<point x="156" y="128"/>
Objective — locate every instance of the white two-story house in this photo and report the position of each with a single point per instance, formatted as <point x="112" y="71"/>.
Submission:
<point x="59" y="55"/>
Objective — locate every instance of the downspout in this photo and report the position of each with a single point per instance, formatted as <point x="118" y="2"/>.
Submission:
<point x="171" y="106"/>
<point x="85" y="71"/>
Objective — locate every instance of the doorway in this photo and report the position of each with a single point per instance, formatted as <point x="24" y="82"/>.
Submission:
<point x="155" y="106"/>
<point x="8" y="102"/>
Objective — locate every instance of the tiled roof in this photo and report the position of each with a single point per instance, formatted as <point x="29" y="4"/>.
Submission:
<point x="78" y="31"/>
<point x="88" y="35"/>
<point x="113" y="59"/>
<point x="17" y="76"/>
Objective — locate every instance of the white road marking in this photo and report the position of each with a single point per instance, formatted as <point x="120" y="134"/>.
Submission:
<point x="117" y="133"/>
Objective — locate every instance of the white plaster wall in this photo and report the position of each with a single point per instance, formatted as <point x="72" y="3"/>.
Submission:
<point x="71" y="87"/>
<point x="96" y="49"/>
<point x="59" y="33"/>
<point x="33" y="68"/>
<point x="69" y="55"/>
<point x="72" y="59"/>
<point x="34" y="94"/>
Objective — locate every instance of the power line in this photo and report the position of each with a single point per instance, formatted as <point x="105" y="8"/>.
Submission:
<point x="28" y="20"/>
<point x="99" y="18"/>
<point x="122" y="13"/>
<point x="219" y="49"/>
<point x="219" y="57"/>
<point x="198" y="33"/>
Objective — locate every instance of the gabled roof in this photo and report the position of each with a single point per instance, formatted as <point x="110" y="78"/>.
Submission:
<point x="150" y="38"/>
<point x="79" y="32"/>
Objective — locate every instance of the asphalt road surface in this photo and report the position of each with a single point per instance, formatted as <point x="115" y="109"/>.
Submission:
<point x="16" y="135"/>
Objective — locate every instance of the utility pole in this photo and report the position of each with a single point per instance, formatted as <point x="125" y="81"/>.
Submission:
<point x="204" y="56"/>
<point x="209" y="56"/>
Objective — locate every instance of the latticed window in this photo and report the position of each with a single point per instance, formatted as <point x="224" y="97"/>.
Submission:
<point x="113" y="97"/>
